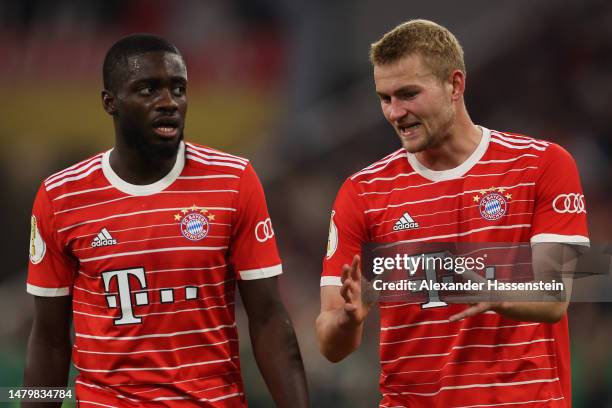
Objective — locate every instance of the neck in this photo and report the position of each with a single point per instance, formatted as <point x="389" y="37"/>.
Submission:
<point x="135" y="166"/>
<point x="461" y="140"/>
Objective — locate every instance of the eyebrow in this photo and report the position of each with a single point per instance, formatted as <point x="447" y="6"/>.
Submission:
<point x="156" y="79"/>
<point x="402" y="90"/>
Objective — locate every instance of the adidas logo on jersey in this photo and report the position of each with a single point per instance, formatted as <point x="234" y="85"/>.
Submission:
<point x="103" y="238"/>
<point x="405" y="222"/>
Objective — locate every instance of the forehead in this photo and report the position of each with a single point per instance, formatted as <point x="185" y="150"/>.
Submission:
<point x="157" y="64"/>
<point x="408" y="71"/>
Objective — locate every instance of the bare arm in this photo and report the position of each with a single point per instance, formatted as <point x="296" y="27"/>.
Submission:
<point x="48" y="352"/>
<point x="274" y="343"/>
<point x="339" y="326"/>
<point x="550" y="261"/>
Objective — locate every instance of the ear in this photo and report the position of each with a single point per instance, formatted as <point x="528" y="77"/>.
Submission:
<point x="109" y="102"/>
<point x="458" y="84"/>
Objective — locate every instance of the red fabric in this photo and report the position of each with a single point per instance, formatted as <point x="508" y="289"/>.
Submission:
<point x="183" y="352"/>
<point x="486" y="359"/>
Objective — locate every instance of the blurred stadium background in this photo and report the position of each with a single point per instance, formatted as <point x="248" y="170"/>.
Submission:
<point x="288" y="85"/>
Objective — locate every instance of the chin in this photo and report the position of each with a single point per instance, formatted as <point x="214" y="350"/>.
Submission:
<point x="415" y="146"/>
<point x="168" y="148"/>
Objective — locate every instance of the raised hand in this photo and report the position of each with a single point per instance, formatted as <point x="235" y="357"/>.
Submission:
<point x="355" y="308"/>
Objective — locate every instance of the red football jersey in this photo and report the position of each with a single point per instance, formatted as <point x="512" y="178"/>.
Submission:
<point x="152" y="270"/>
<point x="511" y="189"/>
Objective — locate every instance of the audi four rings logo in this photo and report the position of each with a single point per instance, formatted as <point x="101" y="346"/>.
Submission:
<point x="572" y="203"/>
<point x="263" y="230"/>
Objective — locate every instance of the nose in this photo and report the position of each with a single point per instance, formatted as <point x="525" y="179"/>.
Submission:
<point x="395" y="110"/>
<point x="166" y="101"/>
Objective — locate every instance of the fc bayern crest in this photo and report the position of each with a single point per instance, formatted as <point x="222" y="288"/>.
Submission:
<point x="194" y="222"/>
<point x="492" y="203"/>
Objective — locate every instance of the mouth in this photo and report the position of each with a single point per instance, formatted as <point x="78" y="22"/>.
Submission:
<point x="166" y="131"/>
<point x="409" y="128"/>
<point x="166" y="128"/>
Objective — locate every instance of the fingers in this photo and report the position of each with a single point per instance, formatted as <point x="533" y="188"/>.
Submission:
<point x="346" y="272"/>
<point x="355" y="269"/>
<point x="471" y="311"/>
<point x="344" y="290"/>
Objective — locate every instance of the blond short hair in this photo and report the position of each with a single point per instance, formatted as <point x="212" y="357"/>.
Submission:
<point x="439" y="48"/>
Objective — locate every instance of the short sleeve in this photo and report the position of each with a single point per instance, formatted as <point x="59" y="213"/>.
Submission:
<point x="51" y="270"/>
<point x="559" y="214"/>
<point x="347" y="232"/>
<point x="253" y="252"/>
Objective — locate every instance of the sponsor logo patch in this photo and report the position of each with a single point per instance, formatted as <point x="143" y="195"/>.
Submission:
<point x="332" y="238"/>
<point x="38" y="248"/>
<point x="264" y="231"/>
<point x="571" y="203"/>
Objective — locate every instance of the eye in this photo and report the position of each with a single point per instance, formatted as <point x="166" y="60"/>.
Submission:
<point x="179" y="90"/>
<point x="385" y="98"/>
<point x="145" y="91"/>
<point x="409" y="95"/>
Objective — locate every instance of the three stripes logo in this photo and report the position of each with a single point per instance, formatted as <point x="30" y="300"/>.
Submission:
<point x="405" y="222"/>
<point x="103" y="238"/>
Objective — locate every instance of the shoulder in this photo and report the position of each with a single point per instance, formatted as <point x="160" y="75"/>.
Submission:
<point x="77" y="176"/>
<point x="387" y="167"/>
<point x="210" y="159"/>
<point x="519" y="144"/>
<point x="516" y="143"/>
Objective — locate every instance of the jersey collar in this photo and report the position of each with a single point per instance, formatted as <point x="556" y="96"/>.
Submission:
<point x="147" y="189"/>
<point x="441" y="175"/>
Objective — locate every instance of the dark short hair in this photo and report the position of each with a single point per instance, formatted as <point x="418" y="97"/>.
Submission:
<point x="129" y="46"/>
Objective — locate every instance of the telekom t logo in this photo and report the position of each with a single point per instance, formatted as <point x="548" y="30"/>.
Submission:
<point x="124" y="290"/>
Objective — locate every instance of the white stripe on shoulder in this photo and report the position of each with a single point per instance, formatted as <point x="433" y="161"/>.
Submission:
<point x="92" y="205"/>
<point x="64" y="180"/>
<point x="193" y="155"/>
<point x="515" y="158"/>
<point x="402" y="154"/>
<point x="370" y="181"/>
<point x="384" y="159"/>
<point x="214" y="152"/>
<point x="494" y="139"/>
<point x="215" y="157"/>
<point x="90" y="190"/>
<point x="79" y="170"/>
<point x="519" y="138"/>
<point x="80" y="164"/>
